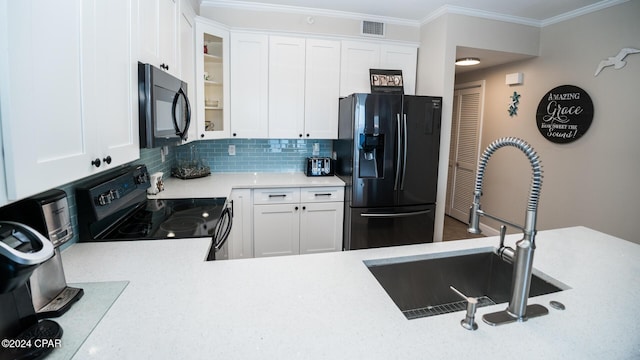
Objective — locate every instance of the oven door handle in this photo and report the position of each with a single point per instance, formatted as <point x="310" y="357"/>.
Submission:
<point x="223" y="229"/>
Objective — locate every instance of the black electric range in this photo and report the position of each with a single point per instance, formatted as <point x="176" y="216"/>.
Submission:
<point x="115" y="207"/>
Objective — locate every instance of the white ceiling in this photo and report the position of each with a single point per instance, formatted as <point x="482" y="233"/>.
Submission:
<point x="533" y="12"/>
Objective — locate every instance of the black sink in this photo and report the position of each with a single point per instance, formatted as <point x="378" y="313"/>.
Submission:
<point x="420" y="287"/>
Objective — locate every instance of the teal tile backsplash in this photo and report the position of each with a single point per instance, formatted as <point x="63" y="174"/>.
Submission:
<point x="254" y="155"/>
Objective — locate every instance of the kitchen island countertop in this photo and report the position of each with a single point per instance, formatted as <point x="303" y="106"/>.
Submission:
<point x="221" y="184"/>
<point x="329" y="306"/>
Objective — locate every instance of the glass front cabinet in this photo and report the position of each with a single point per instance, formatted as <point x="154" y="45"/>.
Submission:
<point x="212" y="75"/>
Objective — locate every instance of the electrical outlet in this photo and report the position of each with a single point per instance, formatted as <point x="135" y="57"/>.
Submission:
<point x="164" y="151"/>
<point x="232" y="150"/>
<point x="316" y="149"/>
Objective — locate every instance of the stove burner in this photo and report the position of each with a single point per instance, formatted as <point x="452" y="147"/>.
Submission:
<point x="138" y="229"/>
<point x="175" y="226"/>
<point x="192" y="207"/>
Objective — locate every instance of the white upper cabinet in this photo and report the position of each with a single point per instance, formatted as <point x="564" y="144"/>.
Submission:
<point x="158" y="34"/>
<point x="212" y="77"/>
<point x="286" y="87"/>
<point x="43" y="127"/>
<point x="400" y="57"/>
<point x="110" y="78"/>
<point x="322" y="89"/>
<point x="71" y="100"/>
<point x="358" y="57"/>
<point x="249" y="85"/>
<point x="356" y="60"/>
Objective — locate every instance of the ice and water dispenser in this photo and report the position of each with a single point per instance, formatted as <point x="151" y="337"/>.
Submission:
<point x="371" y="156"/>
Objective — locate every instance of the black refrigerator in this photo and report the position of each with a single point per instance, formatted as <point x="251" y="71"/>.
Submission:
<point x="387" y="154"/>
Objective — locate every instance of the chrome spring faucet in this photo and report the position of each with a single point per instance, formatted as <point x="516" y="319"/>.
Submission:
<point x="522" y="256"/>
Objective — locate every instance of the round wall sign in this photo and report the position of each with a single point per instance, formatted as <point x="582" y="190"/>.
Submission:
<point x="564" y="114"/>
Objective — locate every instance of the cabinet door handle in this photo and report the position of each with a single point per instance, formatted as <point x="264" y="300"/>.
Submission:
<point x="277" y="195"/>
<point x="96" y="163"/>
<point x="296" y="208"/>
<point x="322" y="194"/>
<point x="107" y="159"/>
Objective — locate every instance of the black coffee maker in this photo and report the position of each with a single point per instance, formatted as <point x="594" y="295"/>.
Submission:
<point x="22" y="250"/>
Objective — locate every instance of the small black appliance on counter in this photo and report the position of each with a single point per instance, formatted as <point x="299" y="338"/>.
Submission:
<point x="48" y="214"/>
<point x="22" y="250"/>
<point x="319" y="166"/>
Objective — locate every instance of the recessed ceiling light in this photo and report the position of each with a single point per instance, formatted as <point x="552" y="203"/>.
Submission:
<point x="468" y="61"/>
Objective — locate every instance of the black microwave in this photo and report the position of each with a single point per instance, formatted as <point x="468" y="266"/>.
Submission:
<point x="164" y="109"/>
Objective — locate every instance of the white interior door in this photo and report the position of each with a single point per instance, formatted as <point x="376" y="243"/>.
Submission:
<point x="465" y="140"/>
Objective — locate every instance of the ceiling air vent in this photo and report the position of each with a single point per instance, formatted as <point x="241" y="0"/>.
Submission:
<point x="372" y="28"/>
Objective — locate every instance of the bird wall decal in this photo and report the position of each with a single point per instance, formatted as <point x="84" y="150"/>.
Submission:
<point x="616" y="61"/>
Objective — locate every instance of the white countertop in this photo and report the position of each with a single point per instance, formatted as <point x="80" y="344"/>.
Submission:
<point x="329" y="306"/>
<point x="221" y="184"/>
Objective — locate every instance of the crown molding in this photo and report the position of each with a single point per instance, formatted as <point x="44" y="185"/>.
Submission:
<point x="247" y="5"/>
<point x="450" y="9"/>
<point x="446" y="9"/>
<point x="582" y="11"/>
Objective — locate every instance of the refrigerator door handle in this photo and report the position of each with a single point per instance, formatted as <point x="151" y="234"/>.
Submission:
<point x="399" y="140"/>
<point x="394" y="215"/>
<point x="404" y="152"/>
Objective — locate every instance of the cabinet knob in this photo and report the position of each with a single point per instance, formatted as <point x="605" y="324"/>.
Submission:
<point x="296" y="208"/>
<point x="164" y="66"/>
<point x="307" y="135"/>
<point x="96" y="163"/>
<point x="304" y="208"/>
<point x="299" y="135"/>
<point x="234" y="134"/>
<point x="201" y="135"/>
<point x="107" y="159"/>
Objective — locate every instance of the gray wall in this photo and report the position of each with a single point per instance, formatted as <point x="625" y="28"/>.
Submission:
<point x="592" y="181"/>
<point x="436" y="70"/>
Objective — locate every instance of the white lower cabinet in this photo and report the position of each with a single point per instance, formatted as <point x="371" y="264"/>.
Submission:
<point x="276" y="230"/>
<point x="321" y="227"/>
<point x="297" y="220"/>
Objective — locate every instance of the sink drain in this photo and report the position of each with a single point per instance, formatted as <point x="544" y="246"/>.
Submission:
<point x="444" y="308"/>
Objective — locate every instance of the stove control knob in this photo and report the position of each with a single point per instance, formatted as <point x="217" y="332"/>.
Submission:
<point x="114" y="193"/>
<point x="104" y="199"/>
<point x="141" y="179"/>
